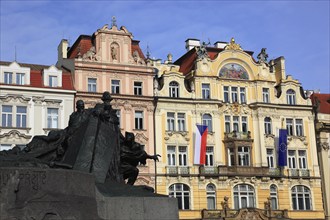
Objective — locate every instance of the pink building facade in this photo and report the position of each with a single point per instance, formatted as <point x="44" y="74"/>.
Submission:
<point x="110" y="60"/>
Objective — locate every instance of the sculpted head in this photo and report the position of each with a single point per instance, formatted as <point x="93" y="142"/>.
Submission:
<point x="106" y="97"/>
<point x="80" y="105"/>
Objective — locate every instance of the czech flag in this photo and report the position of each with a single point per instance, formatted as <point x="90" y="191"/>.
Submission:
<point x="200" y="144"/>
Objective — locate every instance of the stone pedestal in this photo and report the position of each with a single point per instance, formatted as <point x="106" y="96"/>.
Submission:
<point x="34" y="193"/>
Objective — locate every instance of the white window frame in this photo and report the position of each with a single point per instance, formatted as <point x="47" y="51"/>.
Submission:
<point x="289" y="126"/>
<point x="21" y="117"/>
<point x="20" y="78"/>
<point x="206" y="93"/>
<point x="92" y="84"/>
<point x="268" y="125"/>
<point x="182" y="193"/>
<point x="299" y="127"/>
<point x="242" y="95"/>
<point x="273" y="197"/>
<point x="118" y="113"/>
<point x="170" y="121"/>
<point x="303" y="193"/>
<point x="52" y="81"/>
<point x="183" y="156"/>
<point x="7" y="116"/>
<point x="244" y="157"/>
<point x="226" y="97"/>
<point x="174" y="89"/>
<point x="5" y="147"/>
<point x="52" y="117"/>
<point x="211" y="196"/>
<point x="171" y="155"/>
<point x="292" y="162"/>
<point x="291" y="97"/>
<point x="244" y="124"/>
<point x="244" y="191"/>
<point x="231" y="157"/>
<point x="181" y="119"/>
<point x="236" y="123"/>
<point x="265" y="95"/>
<point x="227" y="124"/>
<point x="234" y="94"/>
<point x="207" y="120"/>
<point x="115" y="86"/>
<point x="270" y="157"/>
<point x="302" y="159"/>
<point x="209" y="160"/>
<point x="138" y="118"/>
<point x="8" y="78"/>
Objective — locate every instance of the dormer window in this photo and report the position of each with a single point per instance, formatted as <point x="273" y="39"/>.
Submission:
<point x="53" y="81"/>
<point x="52" y="77"/>
<point x="174" y="89"/>
<point x="291" y="97"/>
<point x="20" y="78"/>
<point x="8" y="78"/>
<point x="14" y="74"/>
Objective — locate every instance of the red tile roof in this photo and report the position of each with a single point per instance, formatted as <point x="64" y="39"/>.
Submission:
<point x="82" y="45"/>
<point x="324" y="102"/>
<point x="136" y="47"/>
<point x="36" y="80"/>
<point x="187" y="61"/>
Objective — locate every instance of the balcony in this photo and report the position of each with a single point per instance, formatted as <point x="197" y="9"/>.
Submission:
<point x="248" y="171"/>
<point x="178" y="170"/>
<point x="238" y="135"/>
<point x="208" y="170"/>
<point x="298" y="173"/>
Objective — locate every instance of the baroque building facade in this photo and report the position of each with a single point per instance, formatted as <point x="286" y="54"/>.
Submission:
<point x="34" y="99"/>
<point x="243" y="102"/>
<point x="110" y="60"/>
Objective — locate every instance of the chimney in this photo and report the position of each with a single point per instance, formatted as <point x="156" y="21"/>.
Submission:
<point x="191" y="43"/>
<point x="220" y="44"/>
<point x="62" y="49"/>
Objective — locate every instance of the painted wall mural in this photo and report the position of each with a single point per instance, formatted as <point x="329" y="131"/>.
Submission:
<point x="233" y="70"/>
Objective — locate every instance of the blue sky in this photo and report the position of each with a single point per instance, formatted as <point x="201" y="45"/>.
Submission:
<point x="297" y="30"/>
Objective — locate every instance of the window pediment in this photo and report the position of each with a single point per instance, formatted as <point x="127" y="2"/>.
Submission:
<point x="52" y="77"/>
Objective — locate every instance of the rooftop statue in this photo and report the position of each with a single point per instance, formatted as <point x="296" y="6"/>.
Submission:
<point x="91" y="143"/>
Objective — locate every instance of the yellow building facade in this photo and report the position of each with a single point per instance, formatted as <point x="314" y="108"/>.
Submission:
<point x="244" y="102"/>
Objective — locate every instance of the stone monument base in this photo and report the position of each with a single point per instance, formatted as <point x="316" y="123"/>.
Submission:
<point x="35" y="193"/>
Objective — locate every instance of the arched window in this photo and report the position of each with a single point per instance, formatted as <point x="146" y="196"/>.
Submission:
<point x="301" y="198"/>
<point x="273" y="197"/>
<point x="268" y="125"/>
<point x="182" y="193"/>
<point x="211" y="196"/>
<point x="243" y="196"/>
<point x="290" y="97"/>
<point x="207" y="120"/>
<point x="174" y="89"/>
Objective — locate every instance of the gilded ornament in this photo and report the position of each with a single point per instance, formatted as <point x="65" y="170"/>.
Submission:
<point x="233" y="46"/>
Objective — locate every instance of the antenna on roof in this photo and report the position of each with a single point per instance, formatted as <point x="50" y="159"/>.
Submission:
<point x="148" y="52"/>
<point x="15" y="54"/>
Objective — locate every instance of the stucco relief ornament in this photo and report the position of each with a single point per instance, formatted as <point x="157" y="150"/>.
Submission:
<point x="233" y="46"/>
<point x="325" y="146"/>
<point x="90" y="55"/>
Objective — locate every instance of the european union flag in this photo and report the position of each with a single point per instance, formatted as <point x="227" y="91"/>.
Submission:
<point x="282" y="148"/>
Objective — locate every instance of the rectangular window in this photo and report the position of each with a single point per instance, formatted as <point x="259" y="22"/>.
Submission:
<point x="118" y="115"/>
<point x="234" y="97"/>
<point x="209" y="156"/>
<point x="289" y="126"/>
<point x="183" y="156"/>
<point x="115" y="86"/>
<point x="299" y="127"/>
<point x="292" y="159"/>
<point x="270" y="158"/>
<point x="227" y="124"/>
<point x="205" y="91"/>
<point x="236" y="123"/>
<point x="53" y="81"/>
<point x="21" y="116"/>
<point x="170" y="121"/>
<point x="137" y="88"/>
<point x="302" y="159"/>
<point x="8" y="78"/>
<point x="243" y="156"/>
<point x="181" y="122"/>
<point x="265" y="95"/>
<point x="226" y="94"/>
<point x="242" y="95"/>
<point x="171" y="155"/>
<point x="231" y="157"/>
<point x="52" y="118"/>
<point x="139" y="120"/>
<point x="244" y="124"/>
<point x="7" y="116"/>
<point x="91" y="85"/>
<point x="20" y="78"/>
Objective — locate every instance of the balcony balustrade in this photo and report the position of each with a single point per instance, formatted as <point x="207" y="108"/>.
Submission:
<point x="238" y="135"/>
<point x="298" y="172"/>
<point x="178" y="170"/>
